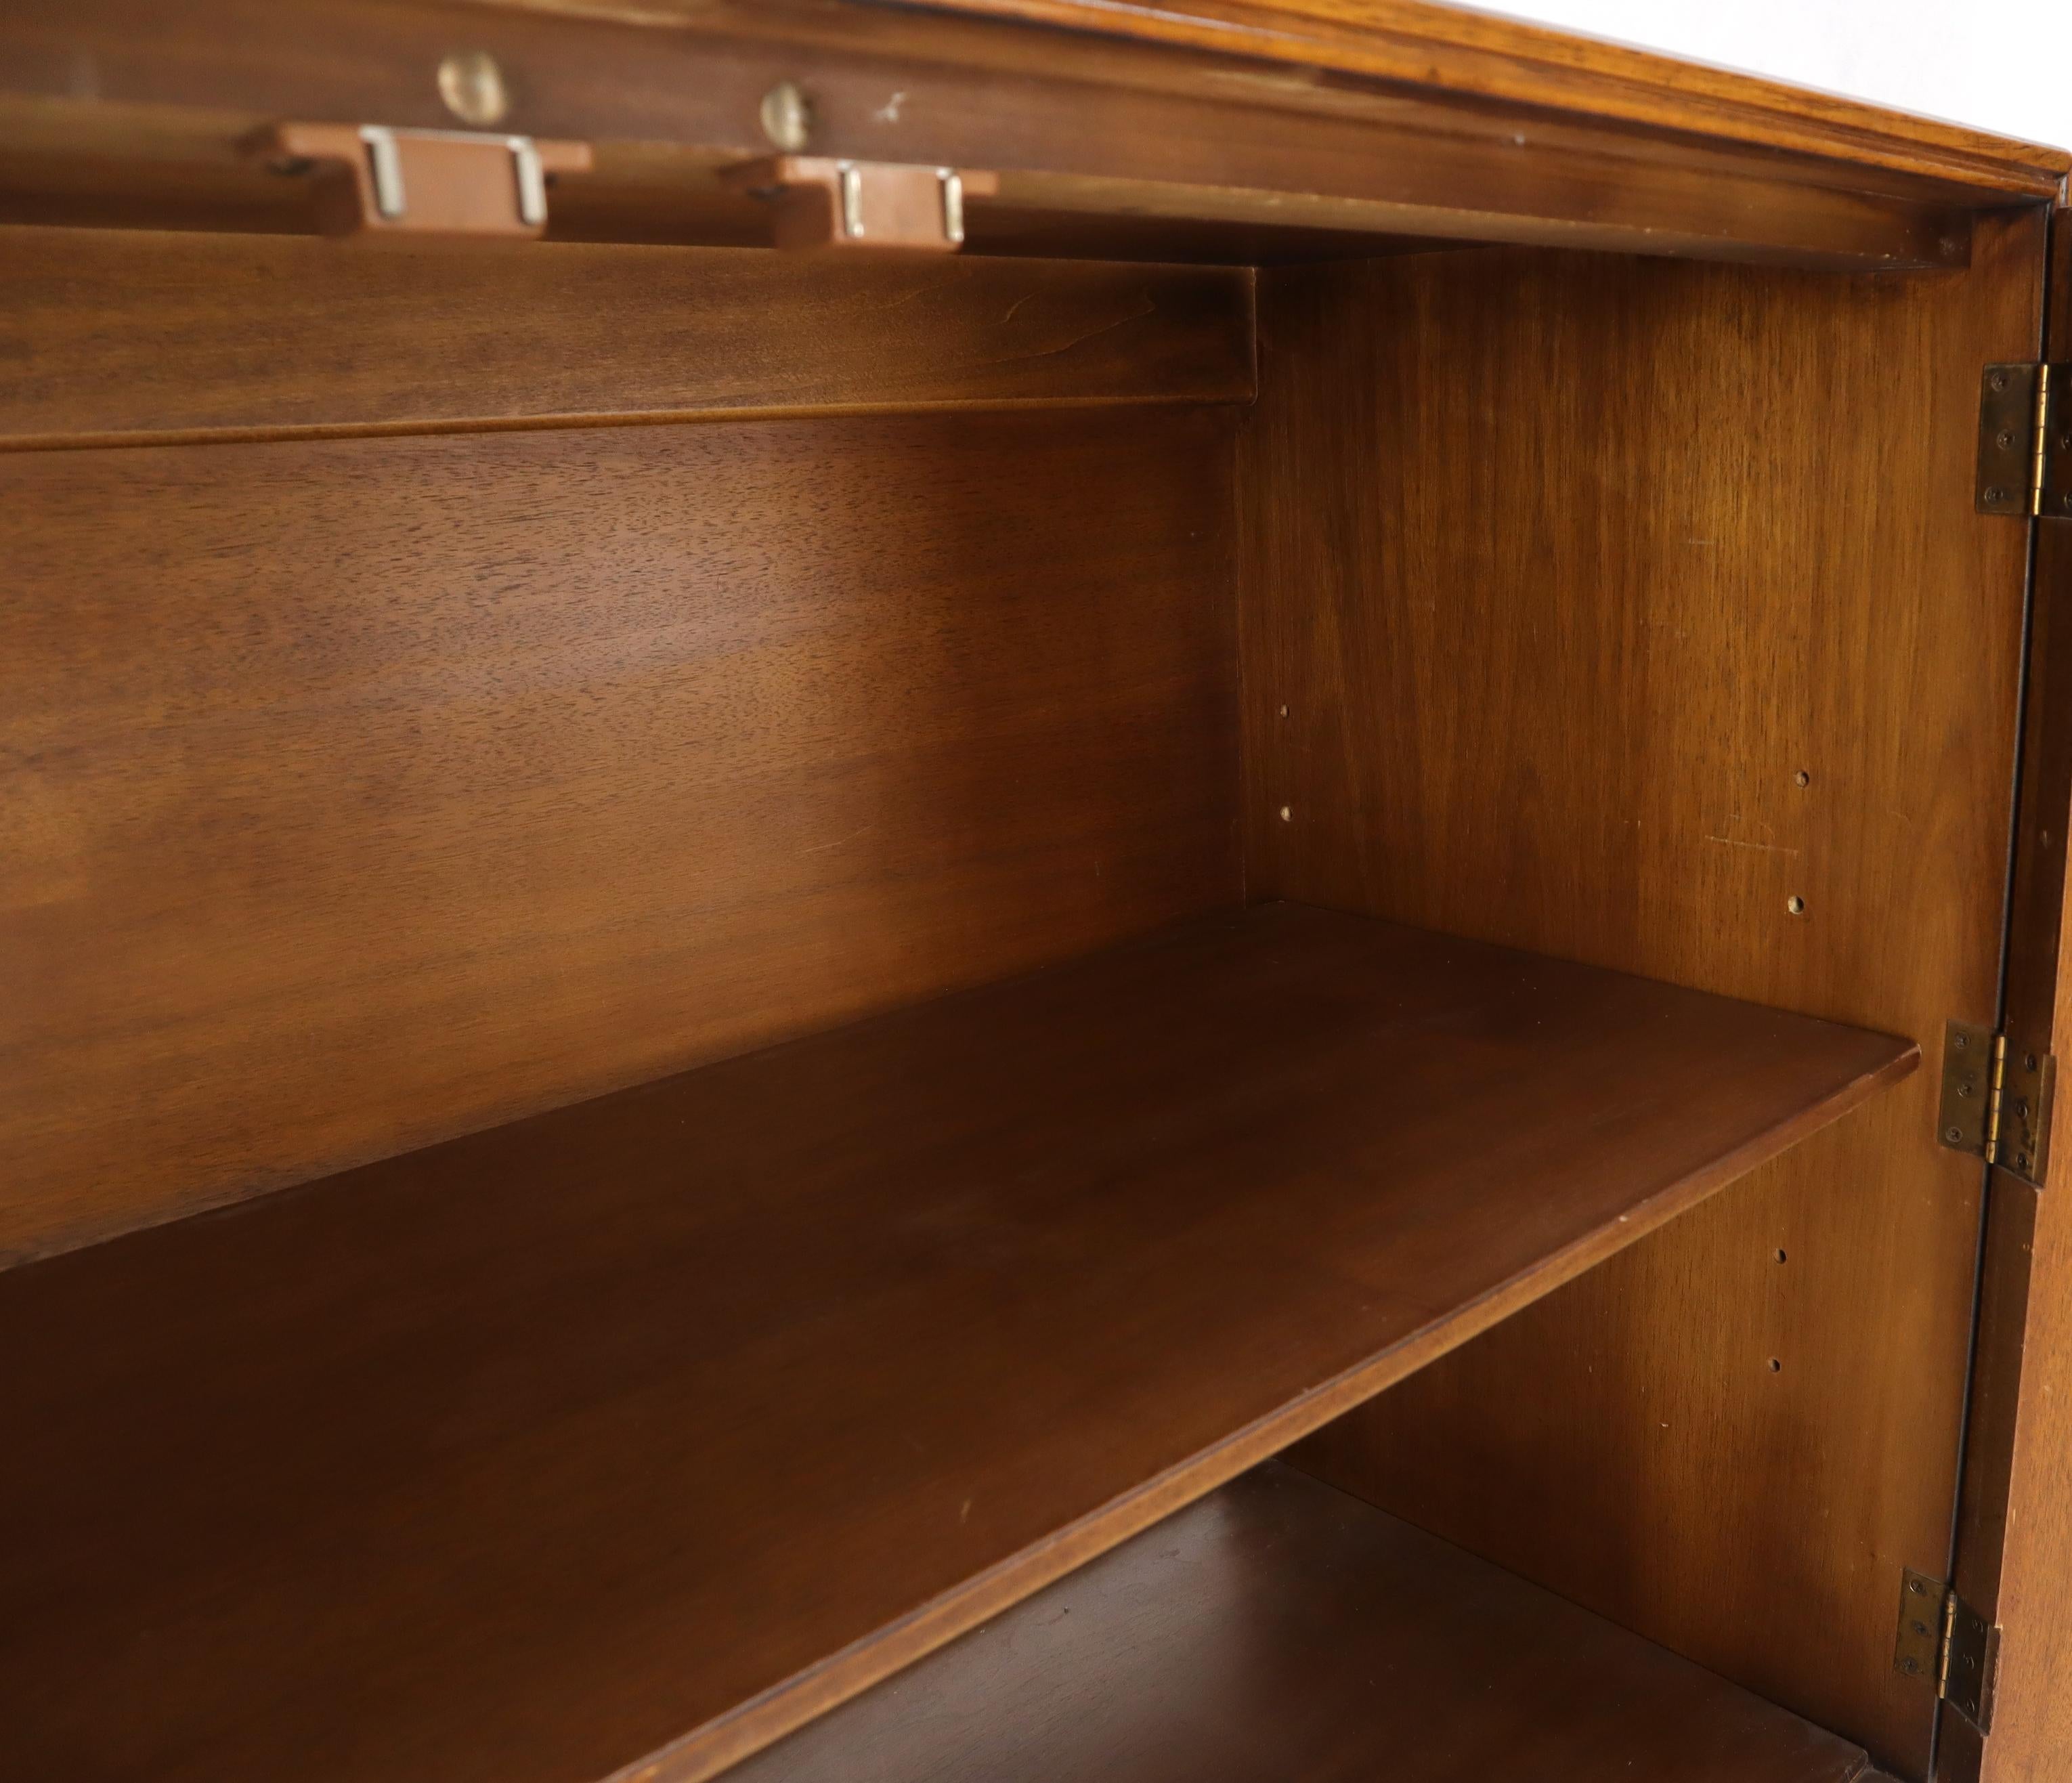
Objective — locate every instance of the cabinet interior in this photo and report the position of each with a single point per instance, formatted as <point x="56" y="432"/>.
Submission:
<point x="713" y="954"/>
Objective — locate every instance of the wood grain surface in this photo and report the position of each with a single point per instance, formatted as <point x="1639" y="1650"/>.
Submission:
<point x="1281" y="1629"/>
<point x="1566" y="571"/>
<point x="362" y="792"/>
<point x="681" y="1415"/>
<point x="1472" y="51"/>
<point x="135" y="334"/>
<point x="1101" y="127"/>
<point x="2014" y="1539"/>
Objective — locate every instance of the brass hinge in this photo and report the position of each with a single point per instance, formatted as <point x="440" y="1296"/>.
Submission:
<point x="1997" y="1098"/>
<point x="2025" y="440"/>
<point x="1941" y="1637"/>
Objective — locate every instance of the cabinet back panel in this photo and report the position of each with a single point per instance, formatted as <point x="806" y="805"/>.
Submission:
<point x="1564" y="569"/>
<point x="112" y="334"/>
<point x="362" y="792"/>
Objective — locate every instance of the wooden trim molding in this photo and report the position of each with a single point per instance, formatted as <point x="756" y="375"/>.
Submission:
<point x="1484" y="56"/>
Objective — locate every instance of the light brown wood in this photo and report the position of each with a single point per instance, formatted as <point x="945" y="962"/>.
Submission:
<point x="139" y="335"/>
<point x="362" y="792"/>
<point x="1565" y="570"/>
<point x="1072" y="123"/>
<point x="1282" y="1629"/>
<point x="1465" y="50"/>
<point x="692" y="1411"/>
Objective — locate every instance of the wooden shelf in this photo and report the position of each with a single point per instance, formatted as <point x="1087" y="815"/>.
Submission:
<point x="1279" y="1628"/>
<point x="663" y="1423"/>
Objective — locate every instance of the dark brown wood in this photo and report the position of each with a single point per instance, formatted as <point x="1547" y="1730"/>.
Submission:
<point x="2032" y="1727"/>
<point x="150" y="337"/>
<point x="362" y="792"/>
<point x="692" y="1411"/>
<point x="1073" y="124"/>
<point x="1279" y="1629"/>
<point x="1565" y="571"/>
<point x="2014" y="1532"/>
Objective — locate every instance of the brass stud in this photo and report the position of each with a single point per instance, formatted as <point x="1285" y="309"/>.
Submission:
<point x="788" y="116"/>
<point x="473" y="87"/>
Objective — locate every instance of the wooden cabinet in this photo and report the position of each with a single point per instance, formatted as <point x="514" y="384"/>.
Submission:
<point x="1227" y="948"/>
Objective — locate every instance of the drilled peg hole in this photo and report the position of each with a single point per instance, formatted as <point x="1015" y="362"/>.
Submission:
<point x="1795" y="904"/>
<point x="1287" y="814"/>
<point x="1284" y="712"/>
<point x="1780" y="1254"/>
<point x="1802" y="779"/>
<point x="1776" y="1364"/>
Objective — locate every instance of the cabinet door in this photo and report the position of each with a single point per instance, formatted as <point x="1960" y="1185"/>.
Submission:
<point x="2014" y="1534"/>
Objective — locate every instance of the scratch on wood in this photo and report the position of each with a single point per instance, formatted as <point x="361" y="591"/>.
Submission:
<point x="1761" y="847"/>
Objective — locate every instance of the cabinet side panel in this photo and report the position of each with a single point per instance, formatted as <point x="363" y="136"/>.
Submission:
<point x="2014" y="1545"/>
<point x="1640" y="614"/>
<point x="359" y="793"/>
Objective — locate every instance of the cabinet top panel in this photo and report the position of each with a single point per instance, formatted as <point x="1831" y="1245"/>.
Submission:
<point x="1100" y="129"/>
<point x="1485" y="56"/>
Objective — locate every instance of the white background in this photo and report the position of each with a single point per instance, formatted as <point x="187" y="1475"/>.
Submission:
<point x="2004" y="65"/>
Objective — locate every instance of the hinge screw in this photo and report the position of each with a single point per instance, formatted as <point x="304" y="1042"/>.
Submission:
<point x="1964" y="1089"/>
<point x="1996" y="495"/>
<point x="1955" y="1135"/>
<point x="2000" y="381"/>
<point x="1911" y="1666"/>
<point x="2006" y="440"/>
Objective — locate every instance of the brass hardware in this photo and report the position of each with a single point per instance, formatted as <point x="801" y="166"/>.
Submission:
<point x="822" y="202"/>
<point x="472" y="86"/>
<point x="1919" y="1651"/>
<point x="788" y="116"/>
<point x="2025" y="440"/>
<point x="1943" y="1639"/>
<point x="372" y="179"/>
<point x="1997" y="1100"/>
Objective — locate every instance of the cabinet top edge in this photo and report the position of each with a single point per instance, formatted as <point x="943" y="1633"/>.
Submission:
<point x="1482" y="59"/>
